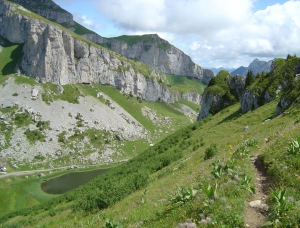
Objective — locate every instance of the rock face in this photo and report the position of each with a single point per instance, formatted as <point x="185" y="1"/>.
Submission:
<point x="213" y="102"/>
<point x="47" y="9"/>
<point x="53" y="55"/>
<point x="152" y="50"/>
<point x="192" y="97"/>
<point x="155" y="52"/>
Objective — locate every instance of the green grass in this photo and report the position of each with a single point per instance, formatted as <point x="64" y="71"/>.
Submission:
<point x="22" y="79"/>
<point x="195" y="107"/>
<point x="283" y="74"/>
<point x="21" y="192"/>
<point x="154" y="206"/>
<point x="10" y="56"/>
<point x="185" y="84"/>
<point x="134" y="107"/>
<point x="164" y="46"/>
<point x="131" y="40"/>
<point x="37" y="5"/>
<point x="81" y="30"/>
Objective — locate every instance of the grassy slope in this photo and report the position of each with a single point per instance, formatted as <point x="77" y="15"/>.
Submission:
<point x="154" y="209"/>
<point x="185" y="84"/>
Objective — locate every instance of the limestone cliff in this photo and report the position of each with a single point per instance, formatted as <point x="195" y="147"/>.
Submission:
<point x="55" y="55"/>
<point x="156" y="52"/>
<point x="221" y="92"/>
<point x="149" y="49"/>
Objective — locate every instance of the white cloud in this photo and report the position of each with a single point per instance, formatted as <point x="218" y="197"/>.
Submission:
<point x="213" y="32"/>
<point x="194" y="46"/>
<point x="87" y="22"/>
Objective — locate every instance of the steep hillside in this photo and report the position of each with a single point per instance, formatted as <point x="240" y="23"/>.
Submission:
<point x="281" y="82"/>
<point x="79" y="125"/>
<point x="256" y="66"/>
<point x="200" y="175"/>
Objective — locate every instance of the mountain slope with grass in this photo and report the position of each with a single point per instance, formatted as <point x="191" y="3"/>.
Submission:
<point x="202" y="174"/>
<point x="281" y="82"/>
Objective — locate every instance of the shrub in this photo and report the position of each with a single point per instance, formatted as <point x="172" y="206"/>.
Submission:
<point x="211" y="151"/>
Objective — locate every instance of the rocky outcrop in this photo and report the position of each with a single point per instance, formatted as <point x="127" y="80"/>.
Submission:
<point x="213" y="102"/>
<point x="156" y="52"/>
<point x="249" y="101"/>
<point x="47" y="9"/>
<point x="192" y="97"/>
<point x="236" y="85"/>
<point x="53" y="55"/>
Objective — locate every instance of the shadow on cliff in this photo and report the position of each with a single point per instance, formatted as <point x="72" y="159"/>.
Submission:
<point x="15" y="57"/>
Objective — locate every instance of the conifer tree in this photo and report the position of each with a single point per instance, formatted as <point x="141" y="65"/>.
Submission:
<point x="250" y="78"/>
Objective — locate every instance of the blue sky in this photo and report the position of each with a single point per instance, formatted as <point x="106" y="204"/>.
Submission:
<point x="215" y="33"/>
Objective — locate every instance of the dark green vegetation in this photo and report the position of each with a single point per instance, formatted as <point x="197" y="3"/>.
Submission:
<point x="284" y="75"/>
<point x="10" y="55"/>
<point x="219" y="86"/>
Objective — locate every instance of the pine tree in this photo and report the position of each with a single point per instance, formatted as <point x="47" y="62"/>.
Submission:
<point x="250" y="78"/>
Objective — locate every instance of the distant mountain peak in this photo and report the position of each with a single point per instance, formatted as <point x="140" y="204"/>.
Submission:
<point x="257" y="66"/>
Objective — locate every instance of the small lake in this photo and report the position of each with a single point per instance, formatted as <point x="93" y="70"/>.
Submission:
<point x="67" y="182"/>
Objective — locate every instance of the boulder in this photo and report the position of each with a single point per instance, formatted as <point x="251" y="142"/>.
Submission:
<point x="34" y="93"/>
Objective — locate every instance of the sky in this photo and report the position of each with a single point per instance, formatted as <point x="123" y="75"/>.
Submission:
<point x="215" y="33"/>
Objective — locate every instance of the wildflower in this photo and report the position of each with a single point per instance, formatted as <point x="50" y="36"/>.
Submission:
<point x="229" y="170"/>
<point x="297" y="204"/>
<point x="216" y="196"/>
<point x="290" y="199"/>
<point x="223" y="199"/>
<point x="203" y="222"/>
<point x="188" y="221"/>
<point x="237" y="178"/>
<point x="202" y="216"/>
<point x="228" y="207"/>
<point x="230" y="147"/>
<point x="211" y="201"/>
<point x="209" y="220"/>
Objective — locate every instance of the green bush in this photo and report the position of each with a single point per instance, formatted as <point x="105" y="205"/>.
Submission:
<point x="211" y="151"/>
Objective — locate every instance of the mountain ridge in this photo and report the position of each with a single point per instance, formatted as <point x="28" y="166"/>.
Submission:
<point x="153" y="50"/>
<point x="256" y="66"/>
